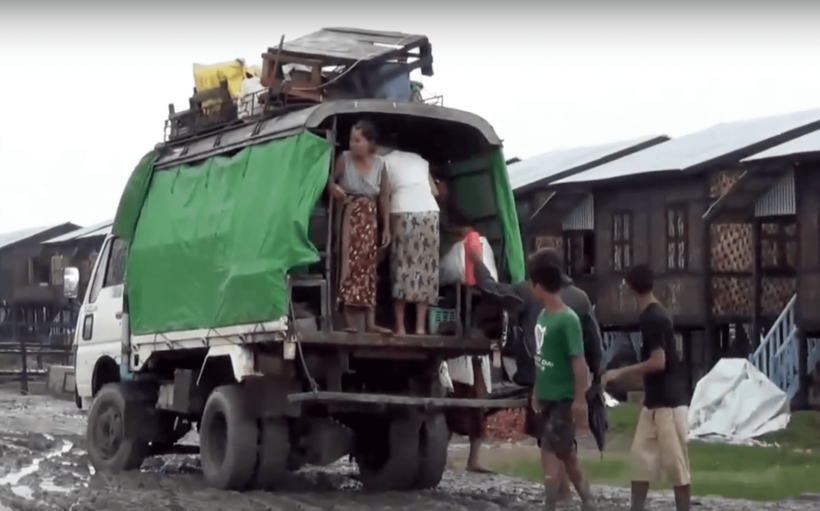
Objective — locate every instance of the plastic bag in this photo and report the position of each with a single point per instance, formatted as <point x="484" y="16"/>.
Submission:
<point x="248" y="102"/>
<point x="452" y="265"/>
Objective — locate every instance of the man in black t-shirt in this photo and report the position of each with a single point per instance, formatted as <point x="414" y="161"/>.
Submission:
<point x="659" y="446"/>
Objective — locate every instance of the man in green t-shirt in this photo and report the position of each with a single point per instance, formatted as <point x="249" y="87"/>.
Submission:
<point x="561" y="381"/>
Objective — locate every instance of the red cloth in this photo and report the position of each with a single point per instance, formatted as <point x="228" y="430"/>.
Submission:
<point x="472" y="244"/>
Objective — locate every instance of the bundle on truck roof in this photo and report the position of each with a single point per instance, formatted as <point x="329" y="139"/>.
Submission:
<point x="213" y="301"/>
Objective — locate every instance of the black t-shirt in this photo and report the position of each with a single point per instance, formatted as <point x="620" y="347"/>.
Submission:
<point x="663" y="389"/>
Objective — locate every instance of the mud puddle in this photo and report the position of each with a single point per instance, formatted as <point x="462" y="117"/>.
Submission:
<point x="22" y="490"/>
<point x="44" y="467"/>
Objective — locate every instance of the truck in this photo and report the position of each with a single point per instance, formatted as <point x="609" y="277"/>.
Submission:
<point x="211" y="305"/>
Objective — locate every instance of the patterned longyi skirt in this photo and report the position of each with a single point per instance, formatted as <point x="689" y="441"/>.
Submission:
<point x="414" y="256"/>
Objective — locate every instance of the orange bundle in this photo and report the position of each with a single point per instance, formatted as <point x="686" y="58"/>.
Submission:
<point x="472" y="244"/>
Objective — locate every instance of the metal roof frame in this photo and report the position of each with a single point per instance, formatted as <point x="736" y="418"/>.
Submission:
<point x="310" y="118"/>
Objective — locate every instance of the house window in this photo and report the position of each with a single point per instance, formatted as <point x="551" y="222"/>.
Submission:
<point x="579" y="252"/>
<point x="39" y="271"/>
<point x="676" y="234"/>
<point x="621" y="241"/>
<point x="778" y="245"/>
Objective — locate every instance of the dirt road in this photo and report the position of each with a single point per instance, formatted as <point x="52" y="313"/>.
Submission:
<point x="43" y="466"/>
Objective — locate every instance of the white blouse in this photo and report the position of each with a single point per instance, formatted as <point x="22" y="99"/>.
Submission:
<point x="410" y="183"/>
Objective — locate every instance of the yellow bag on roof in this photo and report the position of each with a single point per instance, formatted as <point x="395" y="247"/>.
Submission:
<point x="209" y="76"/>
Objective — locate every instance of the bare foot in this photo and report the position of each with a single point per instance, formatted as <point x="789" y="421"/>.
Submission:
<point x="350" y="330"/>
<point x="478" y="469"/>
<point x="421" y="332"/>
<point x="380" y="330"/>
<point x="401" y="332"/>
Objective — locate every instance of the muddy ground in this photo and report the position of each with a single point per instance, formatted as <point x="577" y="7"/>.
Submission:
<point x="43" y="466"/>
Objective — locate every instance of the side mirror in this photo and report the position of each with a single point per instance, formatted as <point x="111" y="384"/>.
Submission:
<point x="71" y="282"/>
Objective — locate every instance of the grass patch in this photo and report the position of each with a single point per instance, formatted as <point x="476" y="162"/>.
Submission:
<point x="623" y="419"/>
<point x="803" y="432"/>
<point x="748" y="472"/>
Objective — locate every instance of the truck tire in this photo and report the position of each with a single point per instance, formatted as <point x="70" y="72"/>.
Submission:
<point x="391" y="462"/>
<point x="274" y="451"/>
<point x="228" y="440"/>
<point x="433" y="442"/>
<point x="111" y="447"/>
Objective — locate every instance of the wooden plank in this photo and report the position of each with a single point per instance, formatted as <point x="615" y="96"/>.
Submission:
<point x="387" y="399"/>
<point x="407" y="341"/>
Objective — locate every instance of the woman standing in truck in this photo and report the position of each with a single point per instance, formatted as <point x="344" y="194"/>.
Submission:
<point x="359" y="182"/>
<point x="414" y="224"/>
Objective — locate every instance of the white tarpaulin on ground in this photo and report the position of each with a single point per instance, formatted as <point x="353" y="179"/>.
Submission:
<point x="736" y="402"/>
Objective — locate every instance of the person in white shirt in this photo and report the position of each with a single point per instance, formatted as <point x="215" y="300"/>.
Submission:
<point x="414" y="226"/>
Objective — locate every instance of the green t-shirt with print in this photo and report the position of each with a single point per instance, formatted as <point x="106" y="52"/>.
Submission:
<point x="558" y="337"/>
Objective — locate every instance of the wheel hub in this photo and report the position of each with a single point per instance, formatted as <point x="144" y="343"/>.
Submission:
<point x="109" y="432"/>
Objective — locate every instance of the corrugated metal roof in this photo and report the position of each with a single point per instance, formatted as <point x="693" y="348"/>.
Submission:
<point x="103" y="231"/>
<point x="552" y="163"/>
<point x="346" y="45"/>
<point x="99" y="229"/>
<point x="582" y="218"/>
<point x="780" y="200"/>
<point x="806" y="144"/>
<point x="23" y="234"/>
<point x="699" y="148"/>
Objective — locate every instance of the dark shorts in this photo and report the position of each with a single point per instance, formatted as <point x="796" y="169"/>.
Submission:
<point x="553" y="427"/>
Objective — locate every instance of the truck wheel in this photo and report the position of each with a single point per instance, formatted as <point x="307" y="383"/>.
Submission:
<point x="110" y="446"/>
<point x="274" y="449"/>
<point x="433" y="442"/>
<point x="391" y="462"/>
<point x="228" y="440"/>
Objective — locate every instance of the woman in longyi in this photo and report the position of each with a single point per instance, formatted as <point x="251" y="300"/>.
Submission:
<point x="359" y="182"/>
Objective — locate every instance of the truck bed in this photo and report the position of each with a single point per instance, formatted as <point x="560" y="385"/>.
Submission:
<point x="277" y="331"/>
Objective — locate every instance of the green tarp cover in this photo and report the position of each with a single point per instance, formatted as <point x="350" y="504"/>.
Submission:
<point x="508" y="216"/>
<point x="132" y="198"/>
<point x="483" y="194"/>
<point x="213" y="241"/>
<point x="210" y="243"/>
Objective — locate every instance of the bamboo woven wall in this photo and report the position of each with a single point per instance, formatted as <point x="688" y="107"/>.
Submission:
<point x="721" y="182"/>
<point x="733" y="296"/>
<point x="732" y="250"/>
<point x="775" y="294"/>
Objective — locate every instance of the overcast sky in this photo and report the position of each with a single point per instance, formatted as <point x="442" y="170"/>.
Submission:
<point x="86" y="88"/>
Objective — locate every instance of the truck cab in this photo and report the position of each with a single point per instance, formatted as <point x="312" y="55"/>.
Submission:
<point x="101" y="326"/>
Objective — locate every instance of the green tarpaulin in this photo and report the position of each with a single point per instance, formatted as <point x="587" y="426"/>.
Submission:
<point x="508" y="216"/>
<point x="483" y="195"/>
<point x="210" y="243"/>
<point x="213" y="241"/>
<point x="128" y="211"/>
